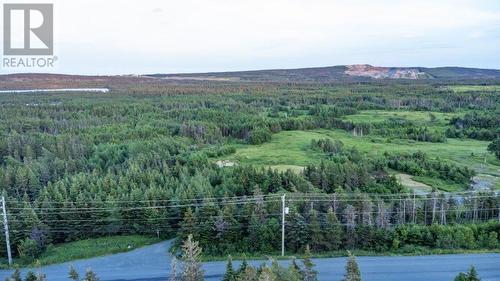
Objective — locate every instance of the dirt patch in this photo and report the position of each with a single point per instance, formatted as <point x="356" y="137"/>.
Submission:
<point x="418" y="187"/>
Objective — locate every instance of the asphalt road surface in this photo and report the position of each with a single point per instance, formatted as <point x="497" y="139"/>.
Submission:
<point x="152" y="263"/>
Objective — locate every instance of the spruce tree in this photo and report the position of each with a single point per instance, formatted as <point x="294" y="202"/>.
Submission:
<point x="267" y="274"/>
<point x="188" y="224"/>
<point x="243" y="266"/>
<point x="254" y="236"/>
<point x="90" y="276"/>
<point x="352" y="269"/>
<point x="469" y="276"/>
<point x="16" y="275"/>
<point x="248" y="274"/>
<point x="308" y="273"/>
<point x="294" y="264"/>
<point x="294" y="273"/>
<point x="333" y="232"/>
<point x="473" y="276"/>
<point x="462" y="277"/>
<point x="30" y="276"/>
<point x="73" y="275"/>
<point x="494" y="147"/>
<point x="230" y="274"/>
<point x="297" y="231"/>
<point x="315" y="233"/>
<point x="191" y="255"/>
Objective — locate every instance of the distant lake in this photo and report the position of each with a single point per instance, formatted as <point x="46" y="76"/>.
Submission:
<point x="92" y="90"/>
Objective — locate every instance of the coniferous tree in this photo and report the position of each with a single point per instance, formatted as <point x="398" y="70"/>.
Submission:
<point x="308" y="273"/>
<point x="90" y="276"/>
<point x="297" y="231"/>
<point x="73" y="275"/>
<point x="191" y="255"/>
<point x="469" y="276"/>
<point x="352" y="269"/>
<point x="30" y="276"/>
<point x="494" y="147"/>
<point x="294" y="271"/>
<point x="16" y="275"/>
<point x="294" y="265"/>
<point x="248" y="274"/>
<point x="188" y="225"/>
<point x="230" y="275"/>
<point x="267" y="274"/>
<point x="333" y="232"/>
<point x="315" y="233"/>
<point x="462" y="277"/>
<point x="473" y="276"/>
<point x="243" y="266"/>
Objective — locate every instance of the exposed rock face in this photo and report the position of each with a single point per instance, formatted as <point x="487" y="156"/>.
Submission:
<point x="376" y="72"/>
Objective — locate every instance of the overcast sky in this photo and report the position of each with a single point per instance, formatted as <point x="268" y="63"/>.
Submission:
<point x="170" y="36"/>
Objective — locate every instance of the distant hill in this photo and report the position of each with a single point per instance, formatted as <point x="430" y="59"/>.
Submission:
<point x="332" y="74"/>
<point x="340" y="73"/>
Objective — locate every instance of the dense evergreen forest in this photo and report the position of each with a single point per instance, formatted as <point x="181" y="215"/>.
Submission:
<point x="141" y="159"/>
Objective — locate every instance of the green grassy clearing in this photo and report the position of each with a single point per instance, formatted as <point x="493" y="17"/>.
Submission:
<point x="474" y="88"/>
<point x="290" y="149"/>
<point x="442" y="184"/>
<point x="419" y="117"/>
<point x="90" y="248"/>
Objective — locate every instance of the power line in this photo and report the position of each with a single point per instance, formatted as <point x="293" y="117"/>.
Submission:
<point x="337" y="196"/>
<point x="164" y="200"/>
<point x="245" y="200"/>
<point x="143" y="207"/>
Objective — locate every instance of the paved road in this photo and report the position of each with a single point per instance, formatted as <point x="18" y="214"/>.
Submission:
<point x="152" y="263"/>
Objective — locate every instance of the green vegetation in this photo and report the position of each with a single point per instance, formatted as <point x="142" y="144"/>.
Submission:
<point x="174" y="158"/>
<point x="352" y="269"/>
<point x="292" y="148"/>
<point x="40" y="276"/>
<point x="419" y="117"/>
<point x="439" y="183"/>
<point x="89" y="248"/>
<point x="469" y="276"/>
<point x="474" y="88"/>
<point x="494" y="148"/>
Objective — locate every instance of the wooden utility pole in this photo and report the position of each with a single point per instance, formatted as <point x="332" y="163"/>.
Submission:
<point x="6" y="227"/>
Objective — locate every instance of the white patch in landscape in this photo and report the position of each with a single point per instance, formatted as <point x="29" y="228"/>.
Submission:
<point x="94" y="90"/>
<point x="225" y="163"/>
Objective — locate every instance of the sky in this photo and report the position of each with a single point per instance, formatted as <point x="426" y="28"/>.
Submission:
<point x="179" y="36"/>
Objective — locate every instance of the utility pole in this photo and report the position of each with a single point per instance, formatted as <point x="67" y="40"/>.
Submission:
<point x="284" y="210"/>
<point x="6" y="226"/>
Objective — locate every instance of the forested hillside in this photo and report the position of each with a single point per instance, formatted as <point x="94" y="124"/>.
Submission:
<point x="146" y="158"/>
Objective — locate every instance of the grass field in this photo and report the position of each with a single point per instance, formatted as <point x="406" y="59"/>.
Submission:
<point x="474" y="88"/>
<point x="90" y="248"/>
<point x="419" y="117"/>
<point x="290" y="149"/>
